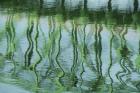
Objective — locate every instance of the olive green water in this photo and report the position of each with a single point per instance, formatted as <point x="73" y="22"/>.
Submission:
<point x="69" y="46"/>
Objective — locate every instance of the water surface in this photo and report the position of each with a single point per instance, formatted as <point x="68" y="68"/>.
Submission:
<point x="70" y="46"/>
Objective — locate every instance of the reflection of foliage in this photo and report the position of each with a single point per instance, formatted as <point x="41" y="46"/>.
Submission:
<point x="124" y="51"/>
<point x="69" y="80"/>
<point x="101" y="16"/>
<point x="98" y="85"/>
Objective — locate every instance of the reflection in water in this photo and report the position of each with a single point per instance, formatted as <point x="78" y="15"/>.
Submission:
<point x="58" y="46"/>
<point x="111" y="62"/>
<point x="29" y="52"/>
<point x="10" y="31"/>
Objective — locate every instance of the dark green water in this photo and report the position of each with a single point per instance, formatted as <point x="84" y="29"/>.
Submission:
<point x="69" y="46"/>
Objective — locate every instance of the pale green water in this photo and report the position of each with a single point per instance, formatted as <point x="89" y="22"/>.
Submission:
<point x="69" y="46"/>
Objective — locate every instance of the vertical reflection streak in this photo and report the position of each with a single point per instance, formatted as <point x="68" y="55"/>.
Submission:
<point x="124" y="58"/>
<point x="52" y="37"/>
<point x="75" y="52"/>
<point x="84" y="58"/>
<point x="13" y="44"/>
<point x="100" y="48"/>
<point x="127" y="59"/>
<point x="29" y="51"/>
<point x="118" y="75"/>
<point x="110" y="65"/>
<point x="39" y="54"/>
<point x="10" y="30"/>
<point x="98" y="52"/>
<point x="51" y="43"/>
<point x="96" y="49"/>
<point x="57" y="56"/>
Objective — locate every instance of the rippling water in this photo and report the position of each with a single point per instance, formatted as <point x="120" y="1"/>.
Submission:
<point x="70" y="46"/>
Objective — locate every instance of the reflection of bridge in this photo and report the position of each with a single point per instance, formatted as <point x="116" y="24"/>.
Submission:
<point x="101" y="11"/>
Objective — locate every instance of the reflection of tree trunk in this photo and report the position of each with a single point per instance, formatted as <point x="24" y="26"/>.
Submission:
<point x="63" y="8"/>
<point x="63" y="1"/>
<point x="38" y="53"/>
<point x="98" y="49"/>
<point x="125" y="61"/>
<point x="75" y="52"/>
<point x="135" y="5"/>
<point x="10" y="33"/>
<point x="85" y="5"/>
<point x="41" y="4"/>
<point x="29" y="51"/>
<point x="111" y="63"/>
<point x="98" y="54"/>
<point x="109" y="5"/>
<point x="57" y="57"/>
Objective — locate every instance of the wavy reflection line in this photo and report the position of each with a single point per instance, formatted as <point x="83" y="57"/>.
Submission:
<point x="50" y="44"/>
<point x="43" y="56"/>
<point x="85" y="46"/>
<point x="84" y="57"/>
<point x="120" y="36"/>
<point x="10" y="37"/>
<point x="98" y="53"/>
<point x="75" y="52"/>
<point x="81" y="74"/>
<point x="126" y="68"/>
<point x="111" y="63"/>
<point x="36" y="47"/>
<point x="121" y="61"/>
<point x="29" y="51"/>
<point x="118" y="75"/>
<point x="38" y="52"/>
<point x="123" y="35"/>
<point x="98" y="48"/>
<point x="127" y="59"/>
<point x="10" y="29"/>
<point x="74" y="43"/>
<point x="52" y="40"/>
<point x="123" y="73"/>
<point x="57" y="56"/>
<point x="124" y="59"/>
